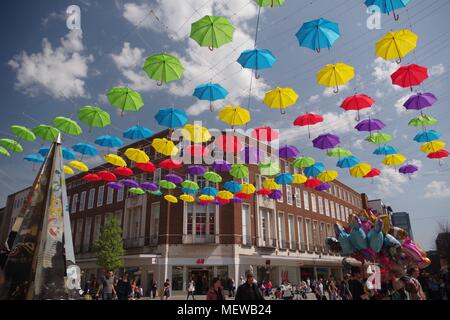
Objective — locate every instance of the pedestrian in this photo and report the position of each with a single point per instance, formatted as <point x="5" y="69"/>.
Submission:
<point x="415" y="288"/>
<point x="232" y="287"/>
<point x="344" y="290"/>
<point x="191" y="289"/>
<point x="287" y="292"/>
<point x="166" y="290"/>
<point x="123" y="288"/>
<point x="332" y="289"/>
<point x="248" y="290"/>
<point x="268" y="288"/>
<point x="91" y="289"/>
<point x="216" y="291"/>
<point x="398" y="283"/>
<point x="262" y="287"/>
<point x="355" y="284"/>
<point x="154" y="288"/>
<point x="320" y="293"/>
<point x="107" y="286"/>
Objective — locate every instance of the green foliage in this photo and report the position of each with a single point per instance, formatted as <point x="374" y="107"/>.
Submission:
<point x="109" y="247"/>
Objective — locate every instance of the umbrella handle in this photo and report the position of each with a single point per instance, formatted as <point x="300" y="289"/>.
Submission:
<point x="318" y="50"/>
<point x="159" y="83"/>
<point x="396" y="16"/>
<point x="211" y="108"/>
<point x="399" y="60"/>
<point x="336" y="90"/>
<point x="282" y="111"/>
<point x="211" y="48"/>
<point x="257" y="75"/>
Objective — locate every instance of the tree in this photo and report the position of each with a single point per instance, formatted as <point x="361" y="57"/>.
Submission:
<point x="443" y="241"/>
<point x="109" y="247"/>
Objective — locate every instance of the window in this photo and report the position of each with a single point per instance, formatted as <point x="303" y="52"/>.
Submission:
<point x="281" y="230"/>
<point x="350" y="211"/>
<point x="306" y="200"/>
<point x="101" y="191"/>
<point x="315" y="233"/>
<point x="68" y="204"/>
<point x="91" y="198"/>
<point x="327" y="209"/>
<point x="320" y="200"/>
<point x="82" y="200"/>
<point x="287" y="168"/>
<point x="313" y="203"/>
<point x="338" y="212"/>
<point x="329" y="232"/>
<point x="200" y="221"/>
<point x="74" y="203"/>
<point x="301" y="234"/>
<point x="333" y="213"/>
<point x="246" y="224"/>
<point x="78" y="233"/>
<point x="258" y="181"/>
<point x="281" y="198"/>
<point x="340" y="193"/>
<point x="309" y="239"/>
<point x="346" y="214"/>
<point x="87" y="234"/>
<point x="118" y="216"/>
<point x="246" y="180"/>
<point x="110" y="196"/>
<point x="342" y="213"/>
<point x="323" y="235"/>
<point x="154" y="222"/>
<point x="97" y="227"/>
<point x="120" y="193"/>
<point x="289" y="194"/>
<point x="157" y="176"/>
<point x="291" y="231"/>
<point x="298" y="198"/>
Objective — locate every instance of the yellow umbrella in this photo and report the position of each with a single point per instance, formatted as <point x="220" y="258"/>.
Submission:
<point x="115" y="160"/>
<point x="334" y="75"/>
<point x="248" y="188"/>
<point x="299" y="179"/>
<point x="360" y="170"/>
<point x="171" y="198"/>
<point x="68" y="170"/>
<point x="137" y="155"/>
<point x="187" y="198"/>
<point x="394" y="160"/>
<point x="271" y="184"/>
<point x="195" y="133"/>
<point x="396" y="45"/>
<point x="280" y="98"/>
<point x="205" y="197"/>
<point x="164" y="146"/>
<point x="234" y="116"/>
<point x="432" y="146"/>
<point x="226" y="195"/>
<point x="80" y="166"/>
<point x="328" y="176"/>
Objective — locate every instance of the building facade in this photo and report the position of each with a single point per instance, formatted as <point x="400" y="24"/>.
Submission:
<point x="401" y="220"/>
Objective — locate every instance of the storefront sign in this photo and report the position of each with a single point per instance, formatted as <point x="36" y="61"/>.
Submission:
<point x="200" y="261"/>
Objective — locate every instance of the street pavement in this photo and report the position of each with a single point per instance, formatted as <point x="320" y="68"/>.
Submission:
<point x="310" y="296"/>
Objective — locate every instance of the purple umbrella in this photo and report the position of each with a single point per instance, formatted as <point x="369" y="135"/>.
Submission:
<point x="174" y="178"/>
<point x="114" y="185"/>
<point x="251" y="155"/>
<point x="326" y="141"/>
<point x="130" y="183"/>
<point x="420" y="101"/>
<point x="219" y="203"/>
<point x="221" y="166"/>
<point x="201" y="203"/>
<point x="323" y="187"/>
<point x="196" y="170"/>
<point x="288" y="152"/>
<point x="276" y="195"/>
<point x="237" y="200"/>
<point x="370" y="125"/>
<point x="149" y="186"/>
<point x="408" y="169"/>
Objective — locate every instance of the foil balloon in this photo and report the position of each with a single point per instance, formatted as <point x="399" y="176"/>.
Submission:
<point x="333" y="244"/>
<point x="390" y="242"/>
<point x="398" y="233"/>
<point x="344" y="240"/>
<point x="409" y="247"/>
<point x="358" y="237"/>
<point x="375" y="237"/>
<point x="366" y="226"/>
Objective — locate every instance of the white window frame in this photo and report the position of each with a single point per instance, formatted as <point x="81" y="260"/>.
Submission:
<point x="246" y="226"/>
<point x="306" y="199"/>
<point x="91" y="198"/>
<point x="282" y="195"/>
<point x="313" y="202"/>
<point x="281" y="229"/>
<point x="73" y="208"/>
<point x="291" y="231"/>
<point x="109" y="196"/>
<point x="82" y="201"/>
<point x="342" y="213"/>
<point x="120" y="194"/>
<point x="320" y="202"/>
<point x="327" y="208"/>
<point x="298" y="197"/>
<point x="100" y="195"/>
<point x="289" y="195"/>
<point x="332" y="209"/>
<point x="300" y="232"/>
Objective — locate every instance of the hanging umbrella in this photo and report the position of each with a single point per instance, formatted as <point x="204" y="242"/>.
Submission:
<point x="137" y="155"/>
<point x="370" y="125"/>
<point x="195" y="133"/>
<point x="85" y="149"/>
<point x="209" y="191"/>
<point x="234" y="116"/>
<point x="379" y="138"/>
<point x="271" y="3"/>
<point x="396" y="45"/>
<point x="164" y="147"/>
<point x="212" y="31"/>
<point x="385" y="151"/>
<point x="323" y="187"/>
<point x="167" y="184"/>
<point x="125" y="99"/>
<point x="92" y="177"/>
<point x="170" y="198"/>
<point x="156" y="193"/>
<point x="280" y="98"/>
<point x="334" y="75"/>
<point x="109" y="141"/>
<point x="269" y="168"/>
<point x="129" y="183"/>
<point x="276" y="195"/>
<point x="137" y="191"/>
<point x="146" y="166"/>
<point x="170" y="164"/>
<point x="409" y="76"/>
<point x="68" y="126"/>
<point x="257" y="59"/>
<point x="94" y="117"/>
<point x="360" y="170"/>
<point x="270" y="184"/>
<point x="107" y="176"/>
<point x="80" y="166"/>
<point x="314" y="170"/>
<point x="46" y="133"/>
<point x="423" y="121"/>
<point x="11" y="145"/>
<point x="212" y="176"/>
<point x="196" y="170"/>
<point x="210" y="92"/>
<point x="137" y="133"/>
<point x="284" y="178"/>
<point x="326" y="141"/>
<point x="357" y="102"/>
<point x="4" y="152"/>
<point x="221" y="166"/>
<point x="303" y="162"/>
<point x="263" y="192"/>
<point x="237" y="200"/>
<point x="348" y="162"/>
<point x="196" y="150"/>
<point x="23" y="133"/>
<point x="226" y="195"/>
<point x="68" y="154"/>
<point x="114" y="185"/>
<point x="123" y="171"/>
<point x="229" y="144"/>
<point x="239" y="171"/>
<point x="373" y="173"/>
<point x="427" y="136"/>
<point x="299" y="179"/>
<point x="318" y="34"/>
<point x="388" y="6"/>
<point x="174" y="178"/>
<point x="163" y="68"/>
<point x="189" y="184"/>
<point x="327" y="176"/>
<point x="115" y="160"/>
<point x="308" y="119"/>
<point x="420" y="101"/>
<point x="394" y="160"/>
<point x="232" y="186"/>
<point x="312" y="183"/>
<point x="438" y="155"/>
<point x="35" y="158"/>
<point x="265" y="134"/>
<point x="251" y="155"/>
<point x="68" y="170"/>
<point x="205" y="197"/>
<point x="171" y="118"/>
<point x="408" y="169"/>
<point x="287" y="152"/>
<point x="186" y="198"/>
<point x="339" y="153"/>
<point x="432" y="146"/>
<point x="189" y="191"/>
<point x="244" y="196"/>
<point x="247" y="188"/>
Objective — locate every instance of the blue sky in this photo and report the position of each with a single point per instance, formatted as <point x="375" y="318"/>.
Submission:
<point x="48" y="71"/>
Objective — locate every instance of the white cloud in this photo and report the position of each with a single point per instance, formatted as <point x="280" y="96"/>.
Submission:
<point x="390" y="183"/>
<point x="381" y="73"/>
<point x="53" y="16"/>
<point x="314" y="98"/>
<point x="198" y="108"/>
<point x="329" y="92"/>
<point x="129" y="57"/>
<point x="59" y="72"/>
<point x="358" y="144"/>
<point x="437" y="70"/>
<point x="437" y="190"/>
<point x="399" y="104"/>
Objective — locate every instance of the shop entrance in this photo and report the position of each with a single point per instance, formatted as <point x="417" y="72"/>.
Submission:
<point x="202" y="279"/>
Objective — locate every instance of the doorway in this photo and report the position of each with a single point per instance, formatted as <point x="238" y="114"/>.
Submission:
<point x="202" y="280"/>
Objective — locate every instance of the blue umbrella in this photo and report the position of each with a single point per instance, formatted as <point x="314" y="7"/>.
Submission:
<point x="387" y="6"/>
<point x="385" y="151"/>
<point x="189" y="191"/>
<point x="318" y="34"/>
<point x="35" y="158"/>
<point x="171" y="118"/>
<point x="314" y="170"/>
<point x="44" y="151"/>
<point x="137" y="133"/>
<point x="209" y="191"/>
<point x="256" y="60"/>
<point x="85" y="149"/>
<point x="68" y="154"/>
<point x="210" y="92"/>
<point x="109" y="141"/>
<point x="233" y="186"/>
<point x="348" y="162"/>
<point x="427" y="136"/>
<point x="284" y="178"/>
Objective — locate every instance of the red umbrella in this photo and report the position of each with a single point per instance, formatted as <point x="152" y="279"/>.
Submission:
<point x="223" y="201"/>
<point x="147" y="166"/>
<point x="312" y="183"/>
<point x="123" y="171"/>
<point x="266" y="134"/>
<point x="91" y="177"/>
<point x="107" y="176"/>
<point x="243" y="195"/>
<point x="264" y="192"/>
<point x="170" y="164"/>
<point x="357" y="102"/>
<point x="230" y="144"/>
<point x="308" y="119"/>
<point x="373" y="173"/>
<point x="439" y="155"/>
<point x="409" y="76"/>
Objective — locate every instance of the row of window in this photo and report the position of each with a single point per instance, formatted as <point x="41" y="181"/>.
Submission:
<point x="79" y="205"/>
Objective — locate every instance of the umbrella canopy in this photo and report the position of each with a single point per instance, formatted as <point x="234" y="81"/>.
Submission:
<point x="408" y="169"/>
<point x="146" y="166"/>
<point x="270" y="184"/>
<point x="303" y="162"/>
<point x="163" y="68"/>
<point x="189" y="191"/>
<point x="35" y="158"/>
<point x="205" y="197"/>
<point x="11" y="145"/>
<point x="308" y="119"/>
<point x="209" y="191"/>
<point x="44" y="151"/>
<point x="114" y="185"/>
<point x="360" y="170"/>
<point x="130" y="183"/>
<point x="137" y="155"/>
<point x="318" y="34"/>
<point x="432" y="146"/>
<point x="385" y="151"/>
<point x="210" y="92"/>
<point x="339" y="153"/>
<point x="234" y="116"/>
<point x="94" y="117"/>
<point x="92" y="177"/>
<point x="327" y="176"/>
<point x="265" y="134"/>
<point x="276" y="195"/>
<point x="164" y="147"/>
<point x="239" y="171"/>
<point x="409" y="76"/>
<point x="388" y="6"/>
<point x="422" y="121"/>
<point x="189" y="184"/>
<point x="269" y="168"/>
<point x="271" y="3"/>
<point x="221" y="166"/>
<point x="348" y="162"/>
<point x="396" y="45"/>
<point x="196" y="150"/>
<point x="263" y="192"/>
<point x="68" y="126"/>
<point x="314" y="170"/>
<point x="299" y="179"/>
<point x="186" y="198"/>
<point x="427" y="136"/>
<point x="167" y="184"/>
<point x="137" y="133"/>
<point x="212" y="176"/>
<point x="370" y="125"/>
<point x="196" y="170"/>
<point x="170" y="164"/>
<point x="174" y="178"/>
<point x="334" y="75"/>
<point x="170" y="198"/>
<point x="248" y="188"/>
<point x="326" y="141"/>
<point x="109" y="141"/>
<point x="242" y="195"/>
<point x="438" y="154"/>
<point x="379" y="138"/>
<point x="312" y="183"/>
<point x="394" y="160"/>
<point x="80" y="166"/>
<point x="226" y="195"/>
<point x="171" y="118"/>
<point x="280" y="98"/>
<point x="85" y="149"/>
<point x="229" y="144"/>
<point x="287" y="152"/>
<point x="115" y="160"/>
<point x="195" y="133"/>
<point x="23" y="133"/>
<point x="251" y="155"/>
<point x="212" y="31"/>
<point x="106" y="175"/>
<point x="237" y="200"/>
<point x="125" y="99"/>
<point x="137" y="191"/>
<point x="357" y="102"/>
<point x="156" y="193"/>
<point x="46" y="133"/>
<point x="233" y="186"/>
<point x="323" y="187"/>
<point x="420" y="101"/>
<point x="4" y="152"/>
<point x="123" y="171"/>
<point x="284" y="178"/>
<point x="373" y="173"/>
<point x="68" y="154"/>
<point x="257" y="59"/>
<point x="68" y="170"/>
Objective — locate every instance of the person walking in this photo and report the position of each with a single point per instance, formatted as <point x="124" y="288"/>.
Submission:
<point x="191" y="289"/>
<point x="248" y="290"/>
<point x="107" y="286"/>
<point x="287" y="292"/>
<point x="154" y="288"/>
<point x="123" y="288"/>
<point x="91" y="289"/>
<point x="166" y="290"/>
<point x="216" y="291"/>
<point x="268" y="288"/>
<point x="355" y="284"/>
<point x="415" y="288"/>
<point x="344" y="290"/>
<point x="332" y="289"/>
<point x="232" y="287"/>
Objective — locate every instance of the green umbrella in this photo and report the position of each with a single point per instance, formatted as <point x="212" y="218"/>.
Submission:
<point x="138" y="191"/>
<point x="272" y="3"/>
<point x="339" y="153"/>
<point x="167" y="184"/>
<point x="11" y="145"/>
<point x="163" y="68"/>
<point x="67" y="126"/>
<point x="4" y="152"/>
<point x="269" y="168"/>
<point x="46" y="133"/>
<point x="422" y="121"/>
<point x="190" y="185"/>
<point x="212" y="31"/>
<point x="379" y="138"/>
<point x="125" y="99"/>
<point x="239" y="171"/>
<point x="94" y="117"/>
<point x="23" y="133"/>
<point x="303" y="162"/>
<point x="212" y="176"/>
